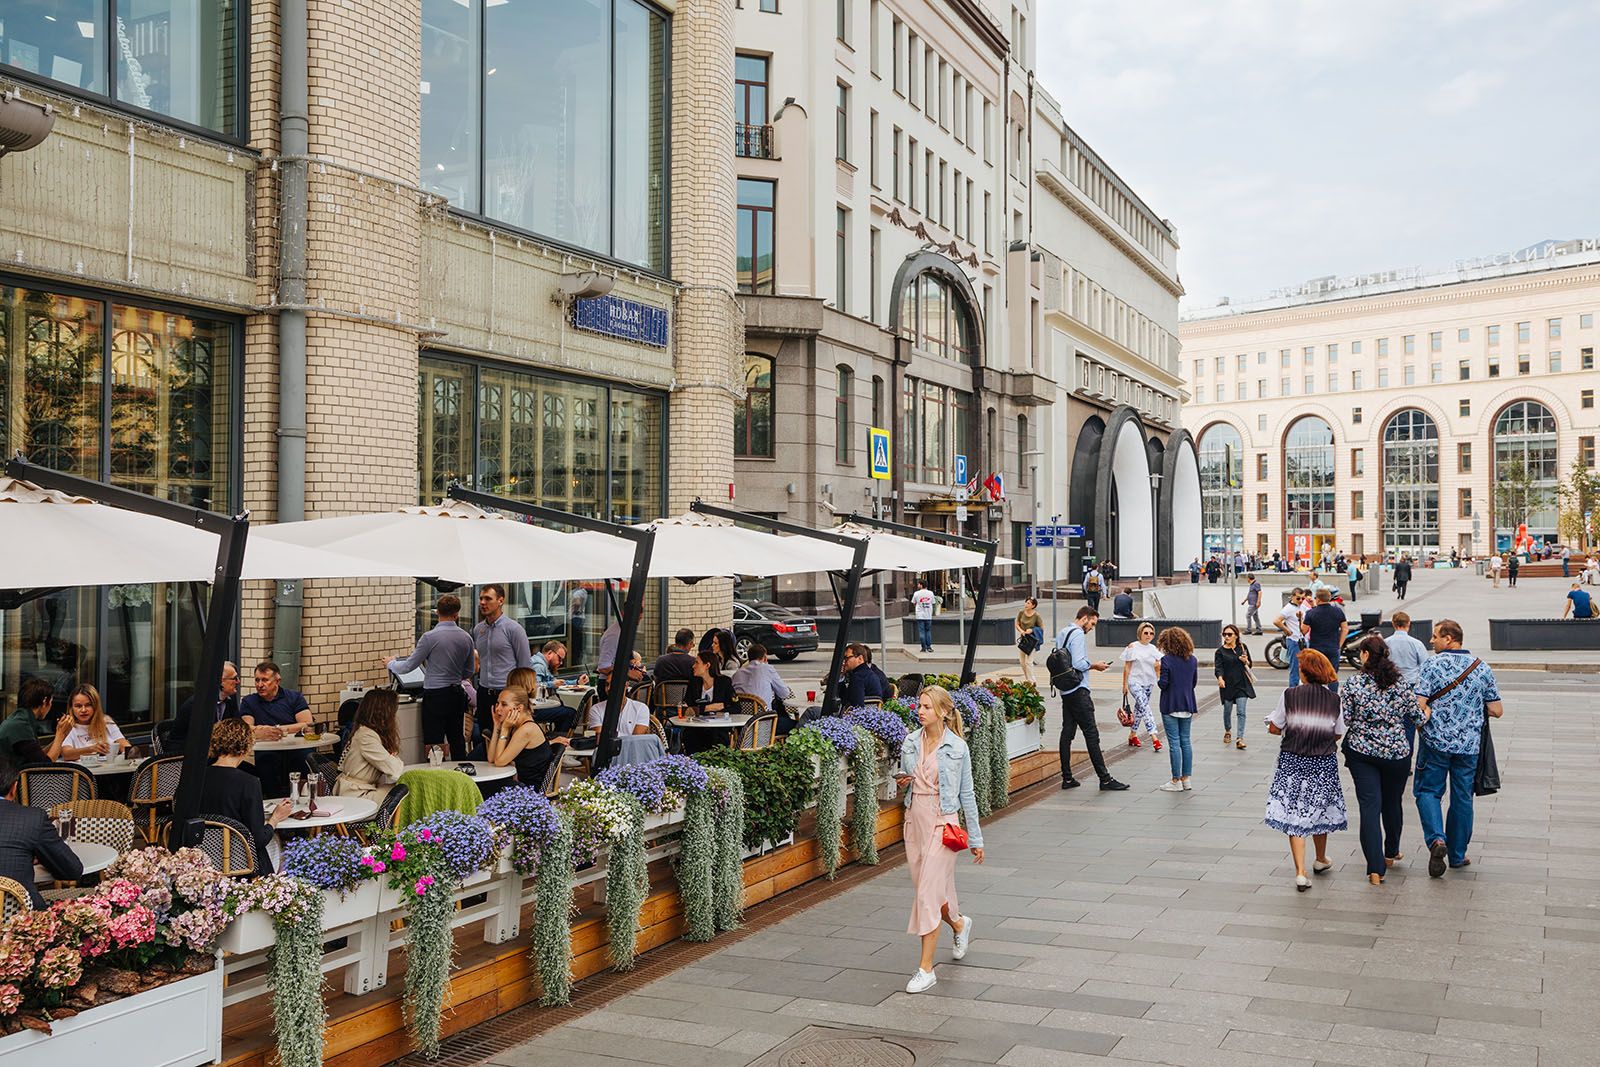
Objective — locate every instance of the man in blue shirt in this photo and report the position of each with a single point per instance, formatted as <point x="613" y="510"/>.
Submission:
<point x="861" y="680"/>
<point x="502" y="646"/>
<point x="445" y="655"/>
<point x="1456" y="690"/>
<point x="1408" y="655"/>
<point x="1580" y="605"/>
<point x="1077" y="706"/>
<point x="275" y="712"/>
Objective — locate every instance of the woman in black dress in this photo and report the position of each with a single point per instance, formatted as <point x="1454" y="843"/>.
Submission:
<point x="235" y="794"/>
<point x="516" y="740"/>
<point x="710" y="693"/>
<point x="1231" y="664"/>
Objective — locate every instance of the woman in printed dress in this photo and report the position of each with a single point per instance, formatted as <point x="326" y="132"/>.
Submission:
<point x="1141" y="663"/>
<point x="1377" y="706"/>
<point x="1306" y="798"/>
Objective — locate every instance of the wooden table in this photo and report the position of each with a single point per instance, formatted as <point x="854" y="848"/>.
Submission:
<point x="341" y="810"/>
<point x="486" y="772"/>
<point x="95" y="858"/>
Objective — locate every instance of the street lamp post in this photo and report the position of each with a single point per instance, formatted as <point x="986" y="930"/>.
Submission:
<point x="1155" y="522"/>
<point x="1033" y="556"/>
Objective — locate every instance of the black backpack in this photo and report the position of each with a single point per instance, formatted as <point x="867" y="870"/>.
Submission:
<point x="1063" y="675"/>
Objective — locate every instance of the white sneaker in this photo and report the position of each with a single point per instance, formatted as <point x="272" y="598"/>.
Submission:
<point x="921" y="982"/>
<point x="1172" y="787"/>
<point x="963" y="938"/>
<point x="1187" y="785"/>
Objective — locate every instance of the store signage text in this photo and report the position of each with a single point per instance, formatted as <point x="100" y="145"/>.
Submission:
<point x="627" y="319"/>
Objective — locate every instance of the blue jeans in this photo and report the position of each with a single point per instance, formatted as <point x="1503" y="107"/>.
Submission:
<point x="1179" y="749"/>
<point x="1434" y="770"/>
<point x="1291" y="648"/>
<point x="925" y="634"/>
<point x="1233" y="716"/>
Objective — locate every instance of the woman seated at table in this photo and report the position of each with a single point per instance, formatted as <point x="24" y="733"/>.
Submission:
<point x="371" y="760"/>
<point x="235" y="794"/>
<point x="516" y="740"/>
<point x="710" y="693"/>
<point x="558" y="720"/>
<point x="85" y="730"/>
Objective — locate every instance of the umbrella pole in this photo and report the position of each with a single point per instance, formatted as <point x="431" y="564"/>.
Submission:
<point x="608" y="747"/>
<point x="967" y="675"/>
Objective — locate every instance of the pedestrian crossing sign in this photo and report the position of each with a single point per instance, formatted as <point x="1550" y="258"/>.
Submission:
<point x="878" y="451"/>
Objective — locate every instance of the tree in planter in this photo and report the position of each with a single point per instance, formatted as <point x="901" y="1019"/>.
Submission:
<point x="1517" y="493"/>
<point x="1580" y="497"/>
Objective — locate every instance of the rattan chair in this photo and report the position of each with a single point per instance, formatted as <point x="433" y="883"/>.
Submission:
<point x="161" y="742"/>
<point x="14" y="899"/>
<point x="102" y="822"/>
<point x="327" y="771"/>
<point x="228" y="846"/>
<point x="666" y="696"/>
<point x="387" y="816"/>
<point x="751" y="705"/>
<point x="44" y="785"/>
<point x="151" y="792"/>
<point x="552" y="775"/>
<point x="660" y="730"/>
<point x="759" y="732"/>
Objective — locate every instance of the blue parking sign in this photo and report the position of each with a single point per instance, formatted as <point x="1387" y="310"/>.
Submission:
<point x="961" y="469"/>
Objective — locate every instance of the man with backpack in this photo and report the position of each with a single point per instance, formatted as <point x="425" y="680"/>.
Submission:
<point x="1069" y="668"/>
<point x="1093" y="584"/>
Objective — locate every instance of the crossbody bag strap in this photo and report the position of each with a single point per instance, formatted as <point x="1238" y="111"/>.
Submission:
<point x="1459" y="679"/>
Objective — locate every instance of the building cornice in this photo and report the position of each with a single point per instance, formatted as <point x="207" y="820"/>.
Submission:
<point x="1435" y="295"/>
<point x="987" y="29"/>
<point x="1062" y="191"/>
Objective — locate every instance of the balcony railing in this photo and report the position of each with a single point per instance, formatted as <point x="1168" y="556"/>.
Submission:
<point x="752" y="141"/>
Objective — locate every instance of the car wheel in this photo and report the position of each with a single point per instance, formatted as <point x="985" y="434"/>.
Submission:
<point x="741" y="648"/>
<point x="786" y="656"/>
<point x="1275" y="654"/>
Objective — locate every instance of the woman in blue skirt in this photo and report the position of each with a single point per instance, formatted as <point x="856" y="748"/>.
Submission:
<point x="1306" y="798"/>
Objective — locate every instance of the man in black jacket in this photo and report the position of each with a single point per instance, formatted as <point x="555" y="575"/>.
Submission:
<point x="861" y="681"/>
<point x="227" y="705"/>
<point x="26" y="833"/>
<point x="1402" y="576"/>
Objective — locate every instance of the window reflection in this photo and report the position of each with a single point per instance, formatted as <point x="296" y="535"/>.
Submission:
<point x="1221" y="507"/>
<point x="450" y="121"/>
<point x="752" y="420"/>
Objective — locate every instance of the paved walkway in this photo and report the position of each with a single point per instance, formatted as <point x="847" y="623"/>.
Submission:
<point x="1160" y="928"/>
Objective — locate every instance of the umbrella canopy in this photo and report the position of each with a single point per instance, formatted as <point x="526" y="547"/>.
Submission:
<point x="65" y="540"/>
<point x="456" y="543"/>
<point x="702" y="546"/>
<point x="895" y="552"/>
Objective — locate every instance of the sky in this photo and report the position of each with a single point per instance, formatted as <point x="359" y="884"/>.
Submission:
<point x="1288" y="140"/>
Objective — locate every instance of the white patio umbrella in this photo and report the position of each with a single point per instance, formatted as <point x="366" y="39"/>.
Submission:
<point x="455" y="543"/>
<point x="896" y="552"/>
<point x="703" y="546"/>
<point x="58" y="539"/>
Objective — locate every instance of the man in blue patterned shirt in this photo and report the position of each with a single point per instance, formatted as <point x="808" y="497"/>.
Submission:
<point x="1456" y="690"/>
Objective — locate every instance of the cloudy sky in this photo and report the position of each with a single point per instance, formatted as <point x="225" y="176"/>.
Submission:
<point x="1288" y="140"/>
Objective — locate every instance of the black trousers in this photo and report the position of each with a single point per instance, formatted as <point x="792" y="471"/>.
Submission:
<point x="1077" y="713"/>
<point x="443" y="711"/>
<point x="1400" y="589"/>
<point x="483" y="714"/>
<point x="1380" y="790"/>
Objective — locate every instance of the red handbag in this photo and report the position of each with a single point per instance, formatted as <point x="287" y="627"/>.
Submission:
<point x="955" y="837"/>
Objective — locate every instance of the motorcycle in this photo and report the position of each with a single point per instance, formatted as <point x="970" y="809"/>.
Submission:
<point x="1277" y="657"/>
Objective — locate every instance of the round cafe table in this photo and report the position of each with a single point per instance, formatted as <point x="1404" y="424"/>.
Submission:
<point x="296" y="743"/>
<point x="95" y="858"/>
<point x="112" y="766"/>
<point x="730" y="724"/>
<point x="486" y="772"/>
<point x="339" y="811"/>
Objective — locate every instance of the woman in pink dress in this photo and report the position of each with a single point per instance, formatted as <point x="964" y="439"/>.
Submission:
<point x="935" y="764"/>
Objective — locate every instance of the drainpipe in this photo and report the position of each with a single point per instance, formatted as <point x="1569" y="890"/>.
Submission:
<point x="294" y="144"/>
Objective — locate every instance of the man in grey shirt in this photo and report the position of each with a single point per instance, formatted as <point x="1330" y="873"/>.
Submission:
<point x="501" y="645"/>
<point x="445" y="654"/>
<point x="761" y="679"/>
<point x="1408" y="654"/>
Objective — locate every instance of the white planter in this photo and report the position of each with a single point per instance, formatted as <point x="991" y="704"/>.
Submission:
<point x="253" y="931"/>
<point x="177" y="1025"/>
<point x="1022" y="738"/>
<point x="671" y="820"/>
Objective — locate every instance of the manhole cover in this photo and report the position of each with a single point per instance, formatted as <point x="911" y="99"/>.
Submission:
<point x="849" y="1052"/>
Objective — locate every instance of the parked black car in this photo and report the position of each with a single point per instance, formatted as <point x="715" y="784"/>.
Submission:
<point x="785" y="633"/>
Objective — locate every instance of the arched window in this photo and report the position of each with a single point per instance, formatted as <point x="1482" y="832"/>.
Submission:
<point x="1411" y="484"/>
<point x="1308" y="487"/>
<point x="1221" y="488"/>
<point x="844" y="430"/>
<point x="1525" y="472"/>
<point x="935" y="317"/>
<point x="752" y="420"/>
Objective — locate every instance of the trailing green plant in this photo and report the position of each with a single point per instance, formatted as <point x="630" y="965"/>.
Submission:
<point x="864" y="811"/>
<point x="294" y="962"/>
<point x="552" y="910"/>
<point x="999" y="763"/>
<point x="697" y="862"/>
<point x="778" y="785"/>
<point x="980" y="746"/>
<point x="627" y="884"/>
<point x="830" y="810"/>
<point x="426" y="861"/>
<point x="727" y="878"/>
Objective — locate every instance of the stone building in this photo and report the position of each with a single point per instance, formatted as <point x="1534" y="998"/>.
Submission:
<point x="327" y="258"/>
<point x="1412" y="411"/>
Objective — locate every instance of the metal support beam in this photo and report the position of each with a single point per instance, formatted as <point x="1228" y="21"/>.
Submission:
<point x="644" y="541"/>
<point x="852" y="585"/>
<point x="990" y="550"/>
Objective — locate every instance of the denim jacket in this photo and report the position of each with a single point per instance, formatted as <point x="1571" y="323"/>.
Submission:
<point x="955" y="778"/>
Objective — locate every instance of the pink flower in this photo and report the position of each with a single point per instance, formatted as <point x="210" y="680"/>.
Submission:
<point x="136" y="926"/>
<point x="373" y="864"/>
<point x="424" y="834"/>
<point x="10" y="999"/>
<point x="60" y="968"/>
<point x="424" y="884"/>
<point x="398" y="852"/>
<point x="122" y="893"/>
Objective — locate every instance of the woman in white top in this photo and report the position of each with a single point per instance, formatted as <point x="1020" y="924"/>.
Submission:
<point x="1141" y="662"/>
<point x="85" y="730"/>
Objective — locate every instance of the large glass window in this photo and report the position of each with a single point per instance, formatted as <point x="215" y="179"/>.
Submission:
<point x="1308" y="480"/>
<point x="1411" y="484"/>
<point x="178" y="58"/>
<point x="549" y="441"/>
<point x="1526" y="472"/>
<point x="935" y="316"/>
<point x="750" y="74"/>
<point x="757" y="201"/>
<point x="571" y="139"/>
<point x="167" y="426"/>
<point x="1221" y="498"/>
<point x="752" y="420"/>
<point x="843" y="413"/>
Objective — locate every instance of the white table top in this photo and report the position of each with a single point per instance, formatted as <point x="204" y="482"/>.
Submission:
<point x="340" y="810"/>
<point x="718" y="722"/>
<point x="95" y="858"/>
<point x="114" y="765"/>
<point x="487" y="772"/>
<point x="296" y="743"/>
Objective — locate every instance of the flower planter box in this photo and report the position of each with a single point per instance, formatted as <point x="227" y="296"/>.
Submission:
<point x="1023" y="737"/>
<point x="177" y="1025"/>
<point x="253" y="931"/>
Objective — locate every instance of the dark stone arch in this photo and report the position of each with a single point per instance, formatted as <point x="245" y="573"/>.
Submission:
<point x="1082" y="507"/>
<point x="923" y="262"/>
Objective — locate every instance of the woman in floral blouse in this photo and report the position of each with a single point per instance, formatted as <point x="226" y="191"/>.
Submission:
<point x="1376" y="705"/>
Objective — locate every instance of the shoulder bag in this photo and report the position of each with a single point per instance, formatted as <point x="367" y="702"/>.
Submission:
<point x="955" y="837"/>
<point x="1063" y="675"/>
<point x="1027" y="642"/>
<point x="1125" y="713"/>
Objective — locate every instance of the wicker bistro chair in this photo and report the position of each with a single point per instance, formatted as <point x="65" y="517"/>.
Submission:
<point x="666" y="696"/>
<point x="102" y="822"/>
<point x="228" y="846"/>
<point x="327" y="771"/>
<point x="750" y="704"/>
<point x="155" y="782"/>
<point x="552" y="775"/>
<point x="44" y="785"/>
<point x="14" y="899"/>
<point x="386" y="818"/>
<point x="759" y="732"/>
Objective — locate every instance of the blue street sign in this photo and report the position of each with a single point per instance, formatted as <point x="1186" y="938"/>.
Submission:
<point x="961" y="469"/>
<point x="1070" y="531"/>
<point x="878" y="451"/>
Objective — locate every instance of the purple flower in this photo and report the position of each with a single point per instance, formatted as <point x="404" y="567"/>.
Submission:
<point x="527" y="821"/>
<point x="971" y="711"/>
<point x="839" y="733"/>
<point x="884" y="725"/>
<point x="338" y="863"/>
<point x="467" y="842"/>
